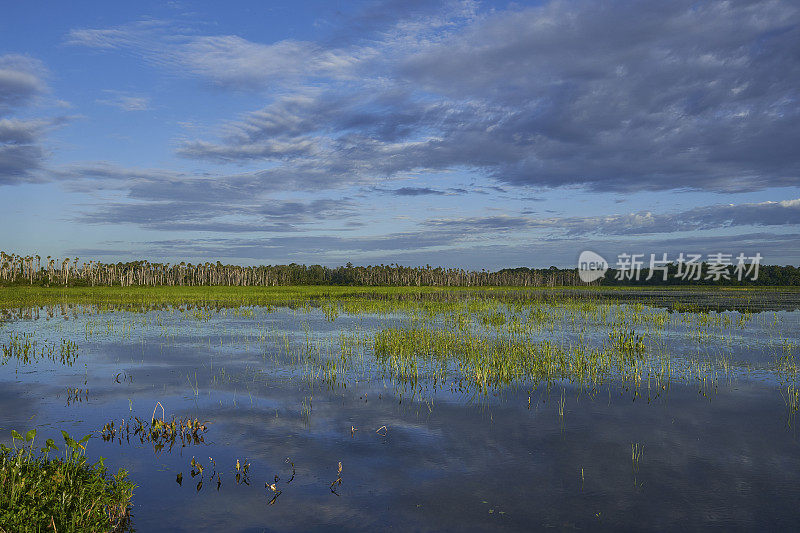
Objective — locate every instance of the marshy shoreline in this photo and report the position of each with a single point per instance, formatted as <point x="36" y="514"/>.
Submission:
<point x="285" y="397"/>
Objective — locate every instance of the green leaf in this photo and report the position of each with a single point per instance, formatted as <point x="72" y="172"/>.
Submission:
<point x="51" y="444"/>
<point x="70" y="441"/>
<point x="30" y="435"/>
<point x="15" y="434"/>
<point x="85" y="439"/>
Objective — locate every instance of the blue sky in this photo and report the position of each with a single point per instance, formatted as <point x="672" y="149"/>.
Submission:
<point x="475" y="134"/>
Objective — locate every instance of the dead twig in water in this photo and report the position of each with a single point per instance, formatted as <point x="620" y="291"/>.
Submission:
<point x="163" y="414"/>
<point x="288" y="460"/>
<point x="338" y="480"/>
<point x="274" y="488"/>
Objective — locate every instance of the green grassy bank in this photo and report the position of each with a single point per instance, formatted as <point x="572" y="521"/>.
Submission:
<point x="20" y="296"/>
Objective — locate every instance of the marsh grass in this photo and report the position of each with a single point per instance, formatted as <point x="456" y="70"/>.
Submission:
<point x="25" y="349"/>
<point x="472" y="342"/>
<point x="468" y="339"/>
<point x="791" y="395"/>
<point x="161" y="433"/>
<point x="65" y="494"/>
<point x="477" y="340"/>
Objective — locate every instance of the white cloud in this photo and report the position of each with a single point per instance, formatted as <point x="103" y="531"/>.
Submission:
<point x="21" y="78"/>
<point x="225" y="60"/>
<point x="124" y="101"/>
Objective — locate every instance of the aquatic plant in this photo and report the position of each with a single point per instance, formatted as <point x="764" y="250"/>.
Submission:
<point x="66" y="494"/>
<point x="637" y="450"/>
<point x="24" y="349"/>
<point x="159" y="432"/>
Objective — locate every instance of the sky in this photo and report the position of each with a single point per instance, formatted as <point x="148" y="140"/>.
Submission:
<point x="456" y="133"/>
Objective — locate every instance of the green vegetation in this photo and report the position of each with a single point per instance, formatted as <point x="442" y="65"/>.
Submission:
<point x="150" y="297"/>
<point x="25" y="350"/>
<point x="64" y="494"/>
<point x="473" y="342"/>
<point x="476" y="339"/>
<point x="33" y="270"/>
<point x="481" y="342"/>
<point x="159" y="432"/>
<point x="23" y="297"/>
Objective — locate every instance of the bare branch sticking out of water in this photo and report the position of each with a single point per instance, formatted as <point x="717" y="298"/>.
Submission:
<point x="338" y="481"/>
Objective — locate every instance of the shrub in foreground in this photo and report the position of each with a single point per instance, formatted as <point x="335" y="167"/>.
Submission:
<point x="63" y="494"/>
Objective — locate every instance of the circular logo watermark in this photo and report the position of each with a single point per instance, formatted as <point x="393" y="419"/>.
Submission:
<point x="591" y="266"/>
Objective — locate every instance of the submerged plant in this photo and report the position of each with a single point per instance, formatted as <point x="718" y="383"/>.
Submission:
<point x="792" y="398"/>
<point x="305" y="410"/>
<point x="636" y="457"/>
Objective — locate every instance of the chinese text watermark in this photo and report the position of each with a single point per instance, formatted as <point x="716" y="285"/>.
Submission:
<point x="686" y="267"/>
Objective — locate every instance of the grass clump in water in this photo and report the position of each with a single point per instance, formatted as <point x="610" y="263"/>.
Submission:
<point x="64" y="494"/>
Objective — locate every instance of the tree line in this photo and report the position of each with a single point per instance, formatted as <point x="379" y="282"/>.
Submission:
<point x="768" y="275"/>
<point x="49" y="271"/>
<point x="35" y="270"/>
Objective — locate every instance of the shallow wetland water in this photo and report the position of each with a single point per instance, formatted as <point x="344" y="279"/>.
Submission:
<point x="510" y="411"/>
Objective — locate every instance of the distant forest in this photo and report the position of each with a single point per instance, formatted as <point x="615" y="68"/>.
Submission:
<point x="768" y="275"/>
<point x="35" y="270"/>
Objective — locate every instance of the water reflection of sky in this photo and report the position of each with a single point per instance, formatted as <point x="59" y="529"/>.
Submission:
<point x="448" y="459"/>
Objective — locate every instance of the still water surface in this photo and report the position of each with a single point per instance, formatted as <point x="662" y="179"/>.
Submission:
<point x="431" y="454"/>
